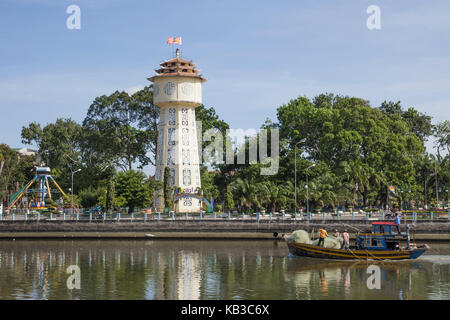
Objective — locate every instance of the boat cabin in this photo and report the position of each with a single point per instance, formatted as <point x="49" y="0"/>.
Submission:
<point x="382" y="237"/>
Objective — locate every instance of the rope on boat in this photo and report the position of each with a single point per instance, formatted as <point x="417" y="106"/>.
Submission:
<point x="373" y="255"/>
<point x="354" y="254"/>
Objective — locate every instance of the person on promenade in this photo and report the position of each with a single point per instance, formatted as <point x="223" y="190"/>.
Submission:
<point x="323" y="234"/>
<point x="346" y="243"/>
<point x="397" y="222"/>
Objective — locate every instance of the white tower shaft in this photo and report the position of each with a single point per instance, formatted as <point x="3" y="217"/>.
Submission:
<point x="177" y="91"/>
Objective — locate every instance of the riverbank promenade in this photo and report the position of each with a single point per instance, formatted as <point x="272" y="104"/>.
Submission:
<point x="426" y="226"/>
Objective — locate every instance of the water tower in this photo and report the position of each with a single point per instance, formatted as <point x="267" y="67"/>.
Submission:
<point x="177" y="92"/>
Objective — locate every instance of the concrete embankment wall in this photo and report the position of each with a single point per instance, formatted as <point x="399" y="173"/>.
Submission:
<point x="196" y="229"/>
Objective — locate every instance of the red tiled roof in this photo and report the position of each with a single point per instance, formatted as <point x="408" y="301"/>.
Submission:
<point x="177" y="67"/>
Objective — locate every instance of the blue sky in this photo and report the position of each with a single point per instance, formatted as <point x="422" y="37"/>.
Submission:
<point x="257" y="55"/>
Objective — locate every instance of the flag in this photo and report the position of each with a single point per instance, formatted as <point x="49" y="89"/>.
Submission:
<point x="170" y="40"/>
<point x="177" y="40"/>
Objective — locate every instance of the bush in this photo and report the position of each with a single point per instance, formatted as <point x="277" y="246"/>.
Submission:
<point x="89" y="197"/>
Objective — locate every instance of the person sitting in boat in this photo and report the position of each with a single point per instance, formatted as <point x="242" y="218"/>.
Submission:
<point x="336" y="234"/>
<point x="323" y="234"/>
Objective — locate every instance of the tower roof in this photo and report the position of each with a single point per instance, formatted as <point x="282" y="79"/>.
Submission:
<point x="177" y="67"/>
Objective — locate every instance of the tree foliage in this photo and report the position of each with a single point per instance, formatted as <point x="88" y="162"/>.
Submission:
<point x="114" y="129"/>
<point x="133" y="186"/>
<point x="15" y="171"/>
<point x="167" y="189"/>
<point x="358" y="151"/>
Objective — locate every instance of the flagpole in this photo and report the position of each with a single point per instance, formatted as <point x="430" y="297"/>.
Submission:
<point x="174" y="40"/>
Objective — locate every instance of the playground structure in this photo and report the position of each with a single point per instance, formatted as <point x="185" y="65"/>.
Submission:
<point x="43" y="190"/>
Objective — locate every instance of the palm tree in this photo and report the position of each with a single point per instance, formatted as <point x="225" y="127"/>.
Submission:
<point x="287" y="194"/>
<point x="424" y="167"/>
<point x="246" y="193"/>
<point x="355" y="176"/>
<point x="271" y="194"/>
<point x="324" y="187"/>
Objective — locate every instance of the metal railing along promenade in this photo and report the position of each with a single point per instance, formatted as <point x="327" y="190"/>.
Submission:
<point x="23" y="215"/>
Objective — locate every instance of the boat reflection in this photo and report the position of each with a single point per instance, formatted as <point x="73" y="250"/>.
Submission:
<point x="314" y="279"/>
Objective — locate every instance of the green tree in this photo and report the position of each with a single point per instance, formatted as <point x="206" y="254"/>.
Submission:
<point x="58" y="143"/>
<point x="16" y="171"/>
<point x="148" y="115"/>
<point x="167" y="189"/>
<point x="209" y="187"/>
<point x="246" y="193"/>
<point x="358" y="143"/>
<point x="113" y="130"/>
<point x="133" y="187"/>
<point x="9" y="164"/>
<point x="272" y="195"/>
<point x="59" y="146"/>
<point x="418" y="123"/>
<point x="210" y="121"/>
<point x="229" y="202"/>
<point x="90" y="197"/>
<point x="442" y="133"/>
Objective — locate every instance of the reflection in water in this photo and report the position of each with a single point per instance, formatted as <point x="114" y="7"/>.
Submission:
<point x="207" y="270"/>
<point x="188" y="276"/>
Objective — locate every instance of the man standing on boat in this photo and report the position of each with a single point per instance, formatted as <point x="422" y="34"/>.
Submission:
<point x="323" y="234"/>
<point x="397" y="222"/>
<point x="346" y="244"/>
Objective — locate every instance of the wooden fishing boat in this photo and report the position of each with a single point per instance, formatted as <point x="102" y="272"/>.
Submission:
<point x="380" y="244"/>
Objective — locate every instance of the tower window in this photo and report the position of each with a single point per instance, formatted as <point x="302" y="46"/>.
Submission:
<point x="187" y="177"/>
<point x="172" y="116"/>
<point x="186" y="157"/>
<point x="170" y="156"/>
<point x="171" y="137"/>
<point x="172" y="176"/>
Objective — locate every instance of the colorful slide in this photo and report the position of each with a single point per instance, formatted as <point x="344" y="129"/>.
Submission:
<point x="209" y="208"/>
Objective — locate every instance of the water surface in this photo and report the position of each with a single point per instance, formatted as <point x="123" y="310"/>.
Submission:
<point x="191" y="269"/>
